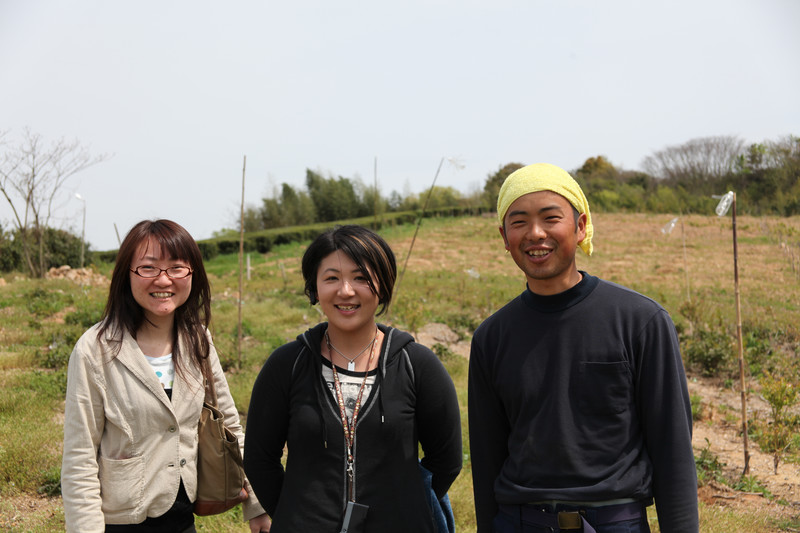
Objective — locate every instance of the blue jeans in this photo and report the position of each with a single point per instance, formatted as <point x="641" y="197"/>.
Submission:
<point x="506" y="523"/>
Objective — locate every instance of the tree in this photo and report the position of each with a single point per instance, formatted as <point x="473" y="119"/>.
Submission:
<point x="290" y="208"/>
<point x="699" y="161"/>
<point x="251" y="219"/>
<point x="598" y="166"/>
<point x="334" y="199"/>
<point x="494" y="181"/>
<point x="443" y="197"/>
<point x="32" y="178"/>
<point x="297" y="206"/>
<point x="768" y="177"/>
<point x="395" y="201"/>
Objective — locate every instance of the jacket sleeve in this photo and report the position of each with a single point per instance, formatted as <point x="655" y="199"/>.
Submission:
<point x="226" y="404"/>
<point x="84" y="419"/>
<point x="267" y="427"/>
<point x="438" y="422"/>
<point x="488" y="438"/>
<point x="666" y="418"/>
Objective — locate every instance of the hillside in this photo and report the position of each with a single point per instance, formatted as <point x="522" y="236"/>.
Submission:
<point x="457" y="274"/>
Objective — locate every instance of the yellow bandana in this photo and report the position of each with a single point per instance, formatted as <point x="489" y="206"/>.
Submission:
<point x="545" y="177"/>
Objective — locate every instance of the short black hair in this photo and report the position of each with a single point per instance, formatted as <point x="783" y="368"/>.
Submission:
<point x="366" y="248"/>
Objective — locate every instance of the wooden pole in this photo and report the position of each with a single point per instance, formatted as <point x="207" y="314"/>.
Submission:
<point x="241" y="268"/>
<point x="375" y="207"/>
<point x="742" y="383"/>
<point x="685" y="264"/>
<point x="414" y="238"/>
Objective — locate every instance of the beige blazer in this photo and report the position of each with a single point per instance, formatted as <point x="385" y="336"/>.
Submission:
<point x="126" y="445"/>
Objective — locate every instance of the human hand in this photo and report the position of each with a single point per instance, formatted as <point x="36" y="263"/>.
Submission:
<point x="260" y="524"/>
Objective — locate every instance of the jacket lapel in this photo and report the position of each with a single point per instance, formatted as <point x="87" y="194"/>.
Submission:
<point x="186" y="388"/>
<point x="133" y="359"/>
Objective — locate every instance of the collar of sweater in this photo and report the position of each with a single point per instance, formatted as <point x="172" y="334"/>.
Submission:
<point x="559" y="302"/>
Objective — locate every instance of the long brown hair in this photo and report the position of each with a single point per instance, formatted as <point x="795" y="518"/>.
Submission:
<point x="123" y="314"/>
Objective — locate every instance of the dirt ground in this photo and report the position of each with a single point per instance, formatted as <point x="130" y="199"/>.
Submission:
<point x="720" y="431"/>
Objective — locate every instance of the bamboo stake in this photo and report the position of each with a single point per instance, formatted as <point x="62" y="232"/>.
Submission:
<point x="419" y="222"/>
<point x="241" y="267"/>
<point x="685" y="264"/>
<point x="739" y="339"/>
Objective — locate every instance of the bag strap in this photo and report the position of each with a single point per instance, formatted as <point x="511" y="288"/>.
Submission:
<point x="211" y="392"/>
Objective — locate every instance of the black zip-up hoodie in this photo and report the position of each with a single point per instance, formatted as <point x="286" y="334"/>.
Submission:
<point x="412" y="402"/>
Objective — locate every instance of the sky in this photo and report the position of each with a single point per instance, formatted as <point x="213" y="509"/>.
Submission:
<point x="178" y="92"/>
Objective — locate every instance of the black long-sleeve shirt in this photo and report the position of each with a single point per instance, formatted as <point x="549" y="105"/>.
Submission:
<point x="581" y="397"/>
<point x="413" y="402"/>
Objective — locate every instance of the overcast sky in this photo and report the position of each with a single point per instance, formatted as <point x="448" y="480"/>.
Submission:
<point x="179" y="91"/>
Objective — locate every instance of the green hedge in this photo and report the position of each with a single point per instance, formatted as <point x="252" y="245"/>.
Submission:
<point x="263" y="241"/>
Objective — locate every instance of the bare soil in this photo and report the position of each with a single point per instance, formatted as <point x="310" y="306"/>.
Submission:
<point x="719" y="430"/>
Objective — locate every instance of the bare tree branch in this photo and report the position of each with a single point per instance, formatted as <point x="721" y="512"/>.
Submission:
<point x="32" y="178"/>
<point x="701" y="159"/>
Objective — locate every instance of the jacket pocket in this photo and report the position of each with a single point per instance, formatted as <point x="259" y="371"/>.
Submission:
<point x="121" y="484"/>
<point x="604" y="388"/>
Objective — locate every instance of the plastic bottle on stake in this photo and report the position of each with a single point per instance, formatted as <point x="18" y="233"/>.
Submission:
<point x="724" y="204"/>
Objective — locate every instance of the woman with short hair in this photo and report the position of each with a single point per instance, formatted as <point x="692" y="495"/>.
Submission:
<point x="352" y="400"/>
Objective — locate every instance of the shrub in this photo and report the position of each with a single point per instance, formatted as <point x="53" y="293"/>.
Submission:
<point x="776" y="436"/>
<point x="443" y="352"/>
<point x="85" y="317"/>
<point x="286" y="237"/>
<point x="228" y="246"/>
<point x="51" y="482"/>
<point x="106" y="257"/>
<point x="60" y="248"/>
<point x="263" y="243"/>
<point x="709" y="467"/>
<point x="709" y="351"/>
<point x="697" y="407"/>
<point x="43" y="303"/>
<point x="706" y="344"/>
<point x="209" y="249"/>
<point x="751" y="484"/>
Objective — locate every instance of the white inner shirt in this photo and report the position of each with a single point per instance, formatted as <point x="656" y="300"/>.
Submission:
<point x="350" y="383"/>
<point x="164" y="368"/>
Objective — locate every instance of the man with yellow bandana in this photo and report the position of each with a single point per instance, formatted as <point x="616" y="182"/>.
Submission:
<point x="579" y="413"/>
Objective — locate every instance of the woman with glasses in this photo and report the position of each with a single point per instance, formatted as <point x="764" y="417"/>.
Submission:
<point x="135" y="389"/>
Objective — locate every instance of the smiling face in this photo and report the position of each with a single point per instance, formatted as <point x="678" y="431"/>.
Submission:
<point x="158" y="297"/>
<point x="542" y="234"/>
<point x="345" y="295"/>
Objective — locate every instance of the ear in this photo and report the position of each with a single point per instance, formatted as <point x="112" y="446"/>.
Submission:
<point x="503" y="234"/>
<point x="580" y="228"/>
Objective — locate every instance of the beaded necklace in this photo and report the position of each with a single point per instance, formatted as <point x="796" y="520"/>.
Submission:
<point x="349" y="426"/>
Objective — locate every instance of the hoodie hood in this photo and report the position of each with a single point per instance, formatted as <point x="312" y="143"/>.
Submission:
<point x="394" y="340"/>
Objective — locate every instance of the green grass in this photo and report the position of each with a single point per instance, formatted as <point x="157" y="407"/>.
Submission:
<point x="458" y="274"/>
<point x="31" y="429"/>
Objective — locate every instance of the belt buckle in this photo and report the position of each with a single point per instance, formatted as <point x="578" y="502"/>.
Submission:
<point x="569" y="520"/>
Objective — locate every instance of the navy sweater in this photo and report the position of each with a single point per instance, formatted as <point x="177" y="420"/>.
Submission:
<point x="412" y="403"/>
<point x="581" y="397"/>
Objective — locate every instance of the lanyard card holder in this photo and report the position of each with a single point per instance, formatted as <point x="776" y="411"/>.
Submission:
<point x="355" y="518"/>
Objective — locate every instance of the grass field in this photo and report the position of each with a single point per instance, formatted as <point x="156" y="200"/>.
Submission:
<point x="457" y="275"/>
